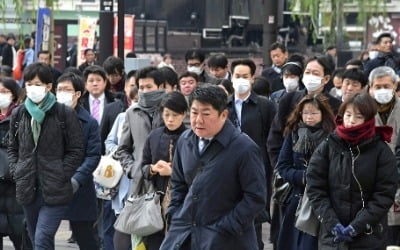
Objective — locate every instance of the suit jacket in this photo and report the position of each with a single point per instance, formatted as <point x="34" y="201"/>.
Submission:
<point x="109" y="98"/>
<point x="257" y="115"/>
<point x="216" y="195"/>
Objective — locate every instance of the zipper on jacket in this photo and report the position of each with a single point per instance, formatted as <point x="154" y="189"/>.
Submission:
<point x="353" y="159"/>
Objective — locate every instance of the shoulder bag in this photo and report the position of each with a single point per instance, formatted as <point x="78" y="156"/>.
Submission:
<point x="306" y="220"/>
<point x="141" y="214"/>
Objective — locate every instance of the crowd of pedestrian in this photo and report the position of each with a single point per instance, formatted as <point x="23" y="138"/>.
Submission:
<point x="225" y="149"/>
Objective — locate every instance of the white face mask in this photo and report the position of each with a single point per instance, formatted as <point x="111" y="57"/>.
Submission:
<point x="241" y="85"/>
<point x="36" y="93"/>
<point x="194" y="69"/>
<point x="383" y="96"/>
<point x="5" y="100"/>
<point x="311" y="82"/>
<point x="65" y="98"/>
<point x="291" y="84"/>
<point x="373" y="54"/>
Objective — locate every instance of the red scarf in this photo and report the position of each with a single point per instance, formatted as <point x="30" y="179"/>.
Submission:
<point x="365" y="131"/>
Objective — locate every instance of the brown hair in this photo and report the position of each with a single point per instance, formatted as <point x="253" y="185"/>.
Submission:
<point x="363" y="102"/>
<point x="319" y="101"/>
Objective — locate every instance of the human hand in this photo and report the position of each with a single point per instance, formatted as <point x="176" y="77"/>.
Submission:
<point x="163" y="168"/>
<point x="338" y="231"/>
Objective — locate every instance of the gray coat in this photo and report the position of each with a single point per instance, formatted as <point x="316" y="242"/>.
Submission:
<point x="135" y="130"/>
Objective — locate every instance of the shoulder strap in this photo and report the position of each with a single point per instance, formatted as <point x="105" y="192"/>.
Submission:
<point x="61" y="119"/>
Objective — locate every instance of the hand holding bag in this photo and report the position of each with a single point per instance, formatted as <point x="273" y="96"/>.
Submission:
<point x="141" y="214"/>
<point x="306" y="220"/>
<point x="108" y="172"/>
<point x="281" y="189"/>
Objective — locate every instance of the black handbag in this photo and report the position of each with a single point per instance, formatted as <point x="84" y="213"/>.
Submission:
<point x="281" y="189"/>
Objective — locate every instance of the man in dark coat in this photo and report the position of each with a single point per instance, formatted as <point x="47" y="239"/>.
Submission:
<point x="195" y="61"/>
<point x="44" y="56"/>
<point x="218" y="181"/>
<point x="9" y="54"/>
<point x="385" y="56"/>
<point x="83" y="208"/>
<point x="279" y="56"/>
<point x="253" y="115"/>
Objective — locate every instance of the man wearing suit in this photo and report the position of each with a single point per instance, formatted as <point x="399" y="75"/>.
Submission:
<point x="253" y="115"/>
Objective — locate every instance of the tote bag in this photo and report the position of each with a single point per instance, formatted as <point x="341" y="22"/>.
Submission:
<point x="306" y="220"/>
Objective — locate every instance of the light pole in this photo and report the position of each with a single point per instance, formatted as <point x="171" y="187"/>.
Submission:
<point x="106" y="24"/>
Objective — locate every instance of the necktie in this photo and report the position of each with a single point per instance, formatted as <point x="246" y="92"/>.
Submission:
<point x="96" y="110"/>
<point x="202" y="144"/>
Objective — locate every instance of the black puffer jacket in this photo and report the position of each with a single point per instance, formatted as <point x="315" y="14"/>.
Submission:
<point x="337" y="188"/>
<point x="50" y="165"/>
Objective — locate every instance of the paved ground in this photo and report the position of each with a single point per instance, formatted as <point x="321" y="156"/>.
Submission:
<point x="63" y="234"/>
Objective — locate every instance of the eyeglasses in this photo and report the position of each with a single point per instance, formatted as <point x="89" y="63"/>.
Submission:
<point x="310" y="113"/>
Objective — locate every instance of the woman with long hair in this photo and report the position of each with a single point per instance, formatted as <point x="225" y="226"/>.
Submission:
<point x="308" y="125"/>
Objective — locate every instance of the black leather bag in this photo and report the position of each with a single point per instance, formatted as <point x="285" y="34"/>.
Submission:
<point x="281" y="189"/>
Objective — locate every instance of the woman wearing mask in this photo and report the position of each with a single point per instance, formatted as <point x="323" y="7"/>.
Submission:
<point x="291" y="77"/>
<point x="352" y="179"/>
<point x="158" y="153"/>
<point x="315" y="76"/>
<point x="11" y="213"/>
<point x="42" y="157"/>
<point x="308" y="125"/>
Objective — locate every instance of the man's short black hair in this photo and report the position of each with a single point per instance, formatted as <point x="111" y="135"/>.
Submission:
<point x="76" y="80"/>
<point x="149" y="72"/>
<point x="41" y="70"/>
<point x="190" y="74"/>
<point x="114" y="65"/>
<point x="248" y="62"/>
<point x="87" y="50"/>
<point x="355" y="62"/>
<point x="44" y="52"/>
<point x="356" y="75"/>
<point x="277" y="45"/>
<point x="262" y="86"/>
<point x="170" y="76"/>
<point x="383" y="35"/>
<point x="330" y="47"/>
<point x="130" y="74"/>
<point x="210" y="94"/>
<point x="195" y="54"/>
<point x="217" y="61"/>
<point x="94" y="69"/>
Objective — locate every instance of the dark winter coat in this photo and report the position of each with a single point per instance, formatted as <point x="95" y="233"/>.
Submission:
<point x="274" y="79"/>
<point x="257" y="115"/>
<point x="336" y="194"/>
<point x="215" y="196"/>
<point x="50" y="164"/>
<point x="157" y="148"/>
<point x="382" y="60"/>
<point x="292" y="167"/>
<point x="83" y="206"/>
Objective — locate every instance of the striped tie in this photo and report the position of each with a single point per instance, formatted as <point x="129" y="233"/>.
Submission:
<point x="96" y="110"/>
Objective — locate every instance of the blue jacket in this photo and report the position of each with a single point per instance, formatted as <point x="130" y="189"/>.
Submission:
<point x="83" y="206"/>
<point x="215" y="196"/>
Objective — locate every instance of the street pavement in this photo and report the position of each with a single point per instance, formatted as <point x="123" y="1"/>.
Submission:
<point x="63" y="234"/>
